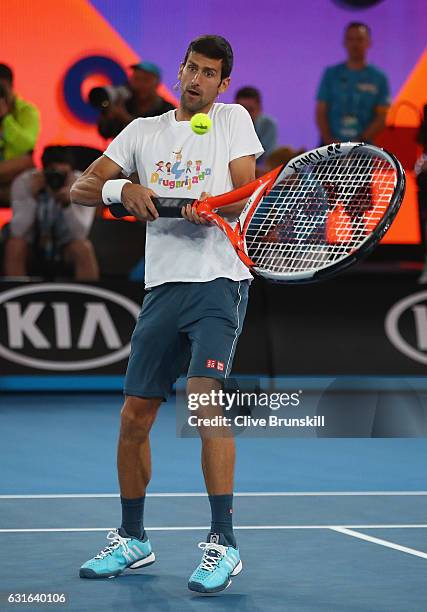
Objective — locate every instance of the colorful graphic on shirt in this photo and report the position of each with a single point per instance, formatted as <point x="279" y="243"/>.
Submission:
<point x="179" y="174"/>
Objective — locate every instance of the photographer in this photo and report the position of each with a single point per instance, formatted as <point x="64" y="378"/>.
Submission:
<point x="122" y="105"/>
<point x="265" y="126"/>
<point x="44" y="219"/>
<point x="19" y="128"/>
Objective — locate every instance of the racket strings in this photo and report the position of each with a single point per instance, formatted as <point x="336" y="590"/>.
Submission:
<point x="321" y="213"/>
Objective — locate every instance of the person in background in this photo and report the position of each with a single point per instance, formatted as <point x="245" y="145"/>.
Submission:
<point x="19" y="129"/>
<point x="353" y="96"/>
<point x="45" y="219"/>
<point x="265" y="126"/>
<point x="421" y="175"/>
<point x="144" y="101"/>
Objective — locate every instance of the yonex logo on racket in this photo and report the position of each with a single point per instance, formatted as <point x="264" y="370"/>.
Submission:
<point x="314" y="156"/>
<point x="214" y="364"/>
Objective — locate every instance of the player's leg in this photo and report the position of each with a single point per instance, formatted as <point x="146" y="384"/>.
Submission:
<point x="214" y="336"/>
<point x="221" y="558"/>
<point x="134" y="461"/>
<point x="133" y="454"/>
<point x="149" y="379"/>
<point x="218" y="460"/>
<point x="129" y="548"/>
<point x="218" y="448"/>
<point x="81" y="254"/>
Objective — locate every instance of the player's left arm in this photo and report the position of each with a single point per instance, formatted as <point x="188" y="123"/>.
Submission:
<point x="242" y="171"/>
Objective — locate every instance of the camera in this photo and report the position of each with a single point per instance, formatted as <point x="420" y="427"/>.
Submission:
<point x="55" y="179"/>
<point x="103" y="97"/>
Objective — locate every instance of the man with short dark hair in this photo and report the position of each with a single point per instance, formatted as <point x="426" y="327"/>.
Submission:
<point x="353" y="97"/>
<point x="196" y="303"/>
<point x="144" y="101"/>
<point x="265" y="126"/>
<point x="19" y="128"/>
<point x="45" y="221"/>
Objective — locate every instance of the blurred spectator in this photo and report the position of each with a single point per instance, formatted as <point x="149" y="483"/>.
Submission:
<point x="421" y="174"/>
<point x="265" y="126"/>
<point x="45" y="220"/>
<point x="282" y="155"/>
<point x="353" y="97"/>
<point x="144" y="101"/>
<point x="19" y="128"/>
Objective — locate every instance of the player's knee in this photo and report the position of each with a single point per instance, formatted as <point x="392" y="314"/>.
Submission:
<point x="138" y="415"/>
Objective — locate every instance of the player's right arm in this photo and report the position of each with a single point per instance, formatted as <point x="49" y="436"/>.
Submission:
<point x="88" y="189"/>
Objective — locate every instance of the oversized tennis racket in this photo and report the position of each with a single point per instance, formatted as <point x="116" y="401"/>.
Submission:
<point x="319" y="214"/>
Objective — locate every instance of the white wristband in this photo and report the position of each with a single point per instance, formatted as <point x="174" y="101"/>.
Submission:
<point x="112" y="191"/>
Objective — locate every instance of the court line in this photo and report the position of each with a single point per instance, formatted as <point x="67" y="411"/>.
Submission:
<point x="236" y="494"/>
<point x="240" y="527"/>
<point x="380" y="541"/>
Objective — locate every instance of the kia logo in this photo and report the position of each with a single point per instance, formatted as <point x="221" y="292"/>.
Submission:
<point x="42" y="327"/>
<point x="406" y="326"/>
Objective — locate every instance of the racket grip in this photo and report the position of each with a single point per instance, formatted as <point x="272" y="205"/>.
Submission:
<point x="118" y="210"/>
<point x="166" y="207"/>
<point x="171" y="207"/>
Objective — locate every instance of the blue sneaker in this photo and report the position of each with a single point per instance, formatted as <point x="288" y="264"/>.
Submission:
<point x="218" y="565"/>
<point x="120" y="555"/>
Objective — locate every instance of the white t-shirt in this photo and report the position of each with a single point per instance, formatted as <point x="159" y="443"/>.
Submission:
<point x="174" y="162"/>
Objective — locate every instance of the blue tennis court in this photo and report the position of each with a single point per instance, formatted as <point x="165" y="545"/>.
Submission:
<point x="322" y="524"/>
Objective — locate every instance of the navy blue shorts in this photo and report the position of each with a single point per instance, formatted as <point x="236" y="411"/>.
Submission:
<point x="185" y="325"/>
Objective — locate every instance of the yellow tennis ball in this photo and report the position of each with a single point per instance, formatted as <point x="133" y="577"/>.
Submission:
<point x="200" y="123"/>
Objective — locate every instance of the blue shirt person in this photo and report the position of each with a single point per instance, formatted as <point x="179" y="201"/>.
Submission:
<point x="265" y="126"/>
<point x="266" y="130"/>
<point x="353" y="97"/>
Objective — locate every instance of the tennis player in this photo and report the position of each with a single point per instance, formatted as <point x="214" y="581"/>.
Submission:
<point x="197" y="291"/>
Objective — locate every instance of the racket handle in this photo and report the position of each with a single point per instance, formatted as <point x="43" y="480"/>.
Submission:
<point x="171" y="207"/>
<point x="166" y="207"/>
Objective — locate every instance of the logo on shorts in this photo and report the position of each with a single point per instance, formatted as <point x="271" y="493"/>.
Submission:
<point x="215" y="365"/>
